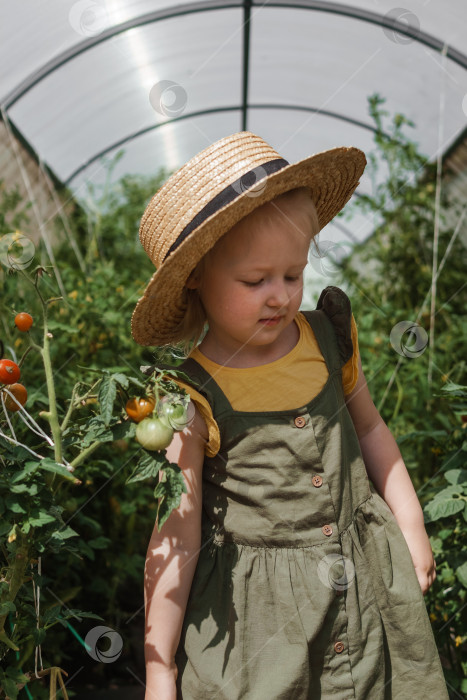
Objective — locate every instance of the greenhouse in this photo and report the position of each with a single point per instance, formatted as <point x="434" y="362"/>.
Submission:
<point x="184" y="500"/>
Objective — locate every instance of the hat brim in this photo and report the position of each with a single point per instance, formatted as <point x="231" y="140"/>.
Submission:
<point x="332" y="176"/>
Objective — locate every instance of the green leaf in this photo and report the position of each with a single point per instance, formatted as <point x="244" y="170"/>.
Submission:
<point x="437" y="509"/>
<point x="64" y="534"/>
<point x="447" y="492"/>
<point x="51" y="614"/>
<point x="31" y="489"/>
<point x="5" y="527"/>
<point x="107" y="395"/>
<point x="39" y="635"/>
<point x="12" y="504"/>
<point x="7" y="607"/>
<point x="125" y="429"/>
<point x="453" y="388"/>
<point x="96" y="429"/>
<point x="461" y="573"/>
<point x="43" y="518"/>
<point x="122" y="379"/>
<point x="445" y="533"/>
<point x="49" y="465"/>
<point x="16" y="675"/>
<point x="456" y="476"/>
<point x="169" y="492"/>
<point x="80" y="613"/>
<point x="147" y="467"/>
<point x="28" y="470"/>
<point x="86" y="551"/>
<point x="10" y="688"/>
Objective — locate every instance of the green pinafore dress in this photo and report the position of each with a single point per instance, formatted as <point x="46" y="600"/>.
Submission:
<point x="304" y="588"/>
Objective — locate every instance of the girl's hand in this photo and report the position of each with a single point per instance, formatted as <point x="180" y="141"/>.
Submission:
<point x="422" y="555"/>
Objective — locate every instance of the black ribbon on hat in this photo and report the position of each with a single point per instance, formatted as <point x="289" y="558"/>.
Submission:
<point x="228" y="195"/>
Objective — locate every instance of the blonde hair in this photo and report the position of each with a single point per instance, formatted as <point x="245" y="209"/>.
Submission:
<point x="194" y="322"/>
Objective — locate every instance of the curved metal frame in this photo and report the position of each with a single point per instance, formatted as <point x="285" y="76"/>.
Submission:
<point x="212" y="5"/>
<point x="238" y="108"/>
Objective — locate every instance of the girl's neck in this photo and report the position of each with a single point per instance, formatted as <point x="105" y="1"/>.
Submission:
<point x="245" y="356"/>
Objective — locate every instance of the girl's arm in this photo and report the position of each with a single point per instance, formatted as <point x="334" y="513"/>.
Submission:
<point x="170" y="565"/>
<point x="389" y="475"/>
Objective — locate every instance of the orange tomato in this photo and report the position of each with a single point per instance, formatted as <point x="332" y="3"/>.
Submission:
<point x="140" y="407"/>
<point x="20" y="394"/>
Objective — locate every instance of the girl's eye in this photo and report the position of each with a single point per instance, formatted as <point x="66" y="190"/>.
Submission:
<point x="256" y="284"/>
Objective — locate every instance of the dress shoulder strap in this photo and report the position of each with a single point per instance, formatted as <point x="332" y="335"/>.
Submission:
<point x="331" y="324"/>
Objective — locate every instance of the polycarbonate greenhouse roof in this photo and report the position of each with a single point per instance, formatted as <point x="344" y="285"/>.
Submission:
<point x="162" y="80"/>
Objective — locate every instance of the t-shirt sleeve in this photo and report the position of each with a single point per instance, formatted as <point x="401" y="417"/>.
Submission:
<point x="350" y="369"/>
<point x="214" y="438"/>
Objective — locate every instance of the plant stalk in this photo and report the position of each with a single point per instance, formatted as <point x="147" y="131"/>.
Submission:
<point x="85" y="453"/>
<point x="52" y="414"/>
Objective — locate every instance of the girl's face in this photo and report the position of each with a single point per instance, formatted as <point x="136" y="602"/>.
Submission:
<point x="252" y="287"/>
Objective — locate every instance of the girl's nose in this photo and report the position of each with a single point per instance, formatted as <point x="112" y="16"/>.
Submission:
<point x="279" y="295"/>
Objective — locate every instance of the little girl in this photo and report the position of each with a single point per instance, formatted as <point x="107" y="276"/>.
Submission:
<point x="285" y="573"/>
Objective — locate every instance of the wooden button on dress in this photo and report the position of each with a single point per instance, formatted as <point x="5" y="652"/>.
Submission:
<point x="317" y="481"/>
<point x="327" y="529"/>
<point x="338" y="647"/>
<point x="299" y="421"/>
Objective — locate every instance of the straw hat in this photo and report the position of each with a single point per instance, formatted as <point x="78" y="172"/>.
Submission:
<point x="203" y="200"/>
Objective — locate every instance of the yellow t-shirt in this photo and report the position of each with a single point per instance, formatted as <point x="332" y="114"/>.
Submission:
<point x="289" y="382"/>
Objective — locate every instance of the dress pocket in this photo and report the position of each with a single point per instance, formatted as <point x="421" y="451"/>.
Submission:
<point x="390" y="562"/>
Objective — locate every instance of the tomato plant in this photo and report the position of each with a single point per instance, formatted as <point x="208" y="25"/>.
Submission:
<point x="9" y="372"/>
<point x="23" y="321"/>
<point x="140" y="407"/>
<point x="20" y="394"/>
<point x="154" y="434"/>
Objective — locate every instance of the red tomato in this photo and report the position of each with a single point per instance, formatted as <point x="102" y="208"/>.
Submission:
<point x="9" y="372"/>
<point x="23" y="321"/>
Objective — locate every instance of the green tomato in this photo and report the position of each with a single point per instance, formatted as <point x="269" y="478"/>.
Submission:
<point x="154" y="434"/>
<point x="173" y="415"/>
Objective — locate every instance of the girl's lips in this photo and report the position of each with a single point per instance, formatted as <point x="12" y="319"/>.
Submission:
<point x="270" y="321"/>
